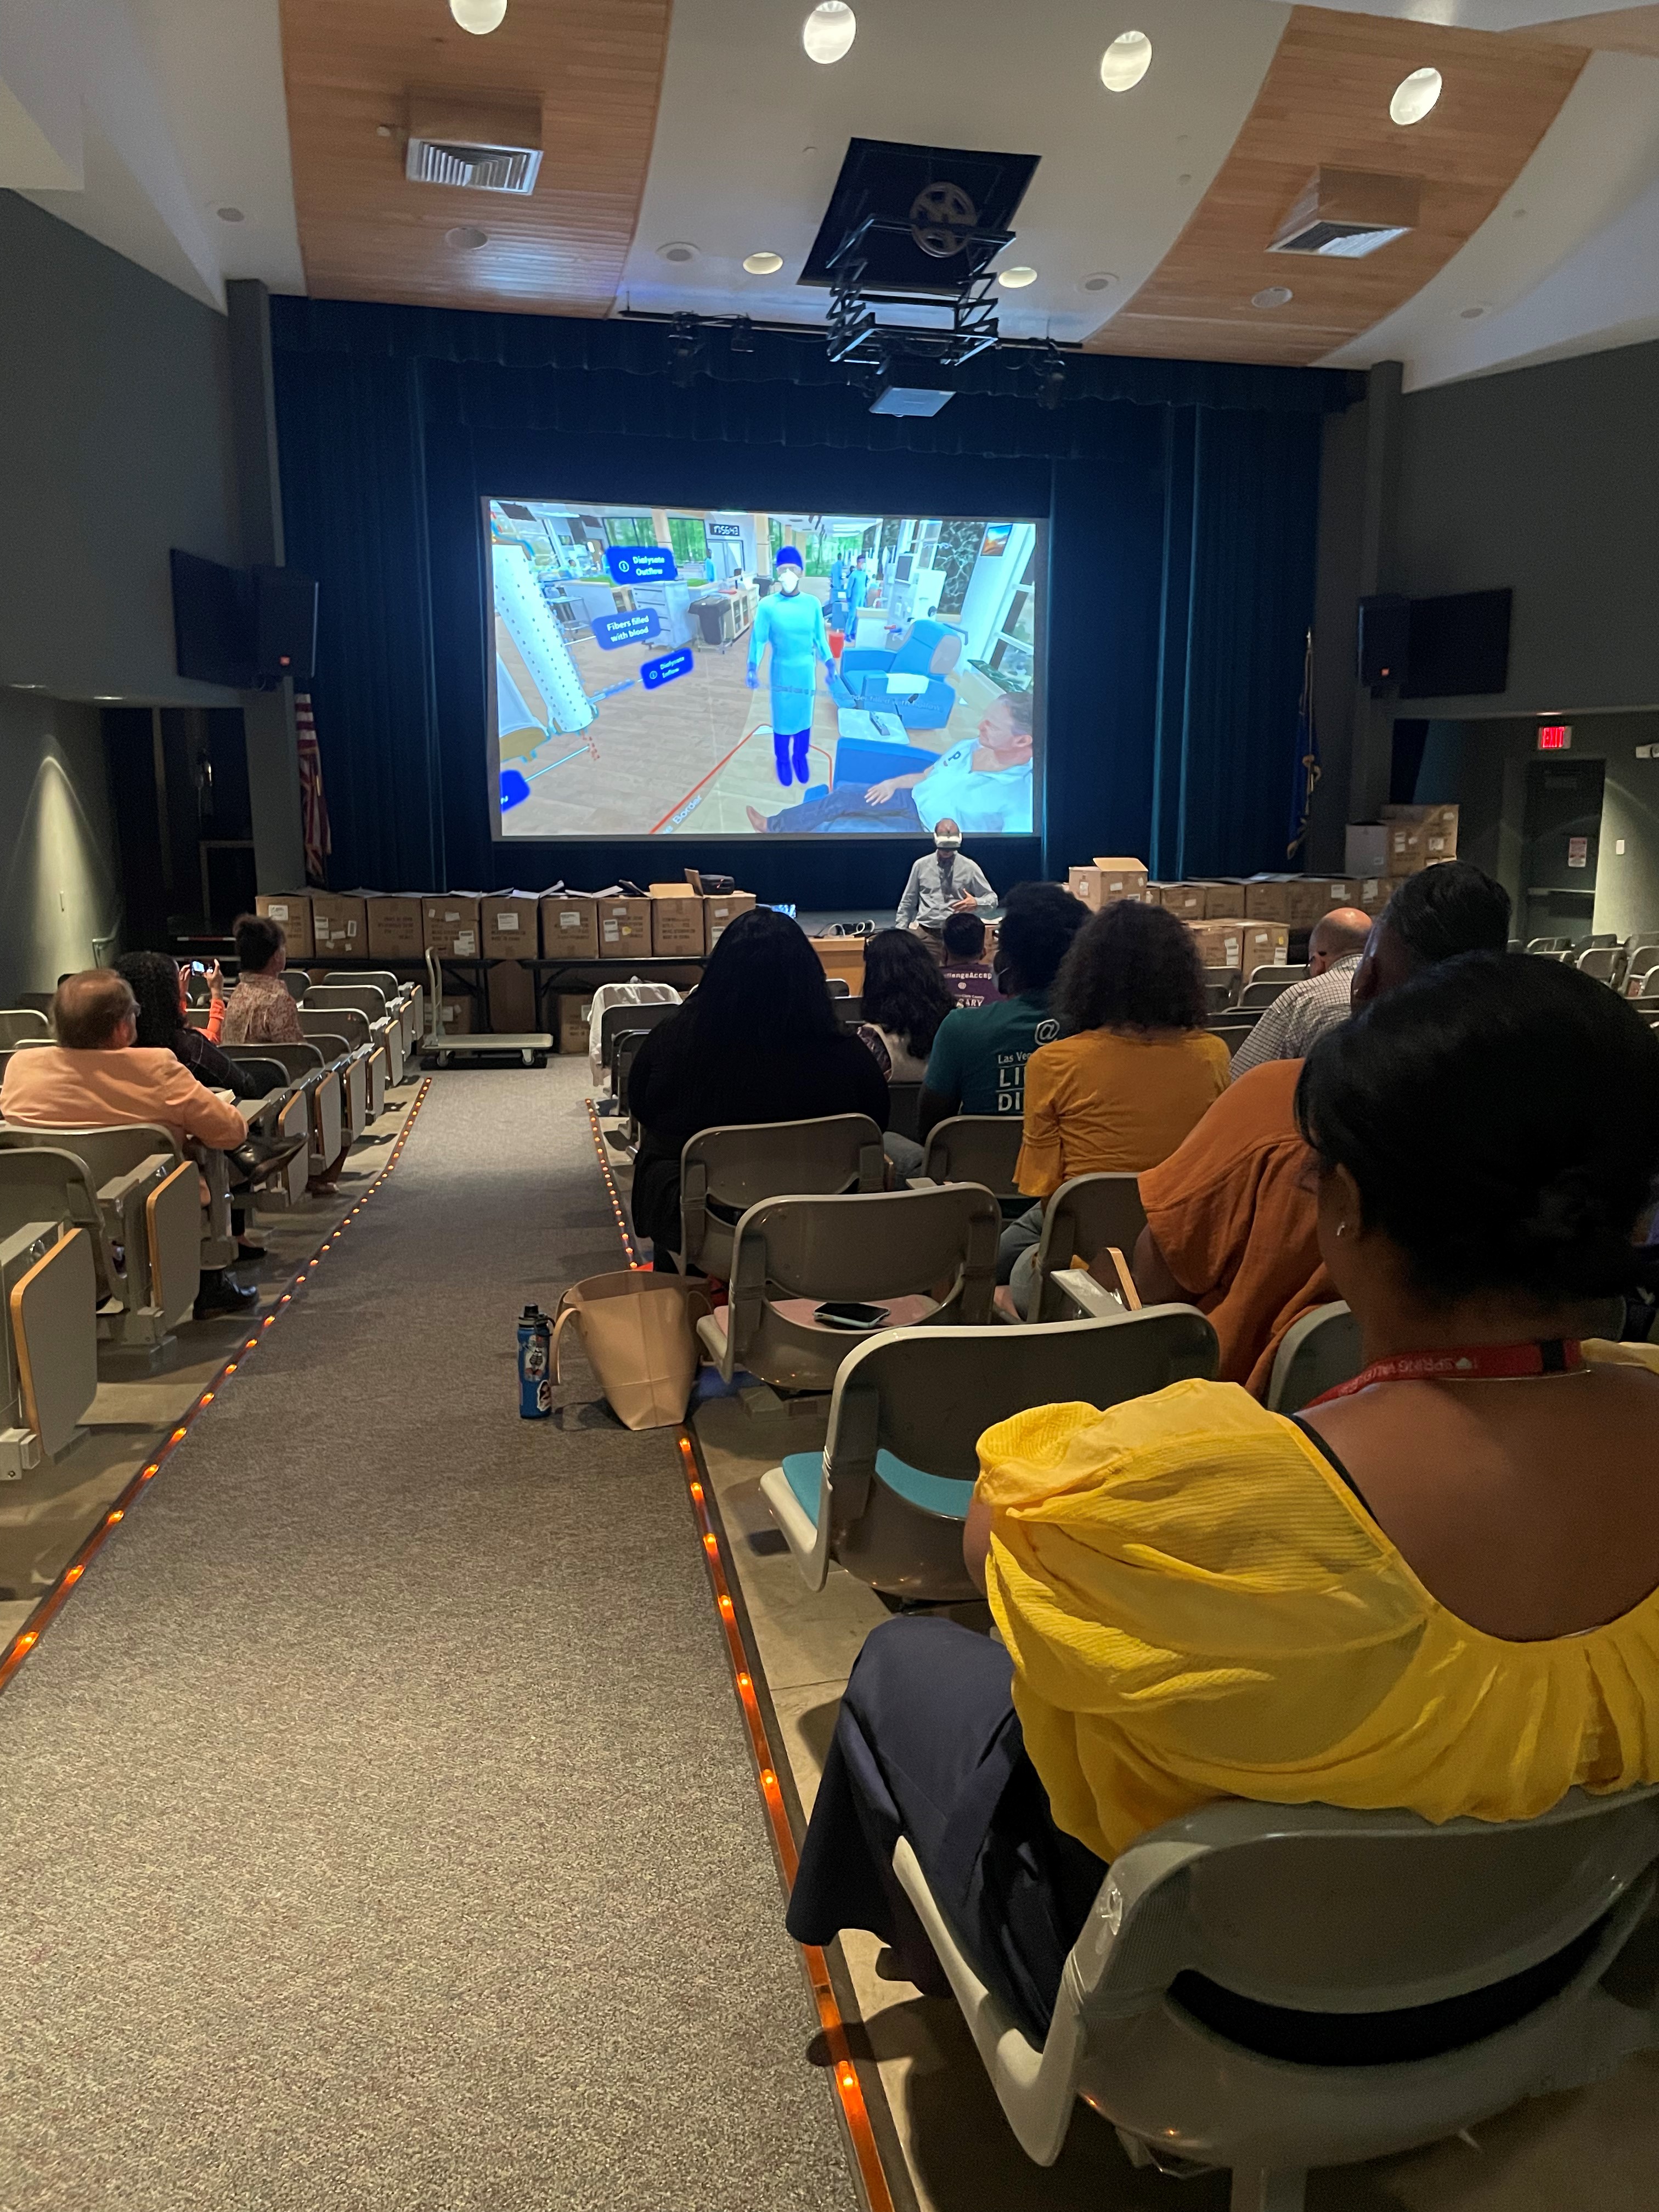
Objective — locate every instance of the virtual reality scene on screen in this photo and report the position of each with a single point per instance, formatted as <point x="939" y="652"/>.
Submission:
<point x="718" y="671"/>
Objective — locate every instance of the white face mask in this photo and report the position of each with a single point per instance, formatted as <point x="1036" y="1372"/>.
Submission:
<point x="788" y="580"/>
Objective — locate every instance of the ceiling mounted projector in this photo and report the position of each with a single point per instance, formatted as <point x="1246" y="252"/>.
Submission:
<point x="1345" y="214"/>
<point x="895" y="398"/>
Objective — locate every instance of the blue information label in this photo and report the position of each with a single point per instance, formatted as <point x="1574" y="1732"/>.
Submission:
<point x="654" y="674"/>
<point x="641" y="564"/>
<point x="514" y="788"/>
<point x="612" y="630"/>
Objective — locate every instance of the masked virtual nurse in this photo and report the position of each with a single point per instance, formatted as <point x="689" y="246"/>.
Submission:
<point x="791" y="621"/>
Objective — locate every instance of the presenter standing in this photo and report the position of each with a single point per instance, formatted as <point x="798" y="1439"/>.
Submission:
<point x="942" y="882"/>
<point x="791" y="621"/>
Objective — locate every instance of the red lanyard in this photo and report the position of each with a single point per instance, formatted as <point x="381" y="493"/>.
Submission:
<point x="1480" y="1363"/>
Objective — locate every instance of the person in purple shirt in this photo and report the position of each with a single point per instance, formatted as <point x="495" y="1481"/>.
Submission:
<point x="969" y="976"/>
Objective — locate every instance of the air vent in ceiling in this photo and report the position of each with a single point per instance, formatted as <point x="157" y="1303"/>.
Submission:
<point x="1345" y="214"/>
<point x="475" y="144"/>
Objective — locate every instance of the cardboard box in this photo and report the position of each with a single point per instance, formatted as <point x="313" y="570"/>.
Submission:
<point x="508" y="929"/>
<point x="1334" y="893"/>
<point x="677" y="929"/>
<point x="1223" y="902"/>
<point x="339" y="925"/>
<point x="1235" y="941"/>
<point x="574" y="1015"/>
<point x="394" y="929"/>
<point x="719" y="913"/>
<point x="512" y="998"/>
<point x="570" y="926"/>
<point x="1437" y="829"/>
<point x="624" y="928"/>
<point x="455" y="1016"/>
<point x="1372" y="894"/>
<point x="451" y="925"/>
<point x="1106" y="881"/>
<point x="1292" y="900"/>
<point x="1366" y="851"/>
<point x="293" y="910"/>
<point x="1185" y="900"/>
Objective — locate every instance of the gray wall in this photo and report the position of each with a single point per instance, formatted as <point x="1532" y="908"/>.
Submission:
<point x="57" y="873"/>
<point x="1545" y="479"/>
<point x="115" y="444"/>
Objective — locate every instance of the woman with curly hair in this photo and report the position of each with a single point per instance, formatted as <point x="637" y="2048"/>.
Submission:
<point x="1134" y="1071"/>
<point x="905" y="1000"/>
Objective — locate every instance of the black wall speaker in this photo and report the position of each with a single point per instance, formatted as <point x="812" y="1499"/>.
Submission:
<point x="284" y="624"/>
<point x="1384" y="637"/>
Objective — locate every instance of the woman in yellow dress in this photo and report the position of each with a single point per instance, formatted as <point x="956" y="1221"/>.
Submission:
<point x="1437" y="1589"/>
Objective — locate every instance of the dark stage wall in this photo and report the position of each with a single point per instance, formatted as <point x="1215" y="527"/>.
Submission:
<point x="1182" y="500"/>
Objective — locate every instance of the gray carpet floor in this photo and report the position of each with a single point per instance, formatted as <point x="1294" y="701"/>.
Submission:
<point x="378" y="1824"/>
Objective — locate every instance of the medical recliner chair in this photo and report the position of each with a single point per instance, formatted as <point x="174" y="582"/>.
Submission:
<point x="910" y="682"/>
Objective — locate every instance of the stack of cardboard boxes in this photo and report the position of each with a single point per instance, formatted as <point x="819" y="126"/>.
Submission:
<point x="1234" y="926"/>
<point x="1407" y="840"/>
<point x="674" y="923"/>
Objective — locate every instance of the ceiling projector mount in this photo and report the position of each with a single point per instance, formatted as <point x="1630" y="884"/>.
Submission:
<point x="914" y="227"/>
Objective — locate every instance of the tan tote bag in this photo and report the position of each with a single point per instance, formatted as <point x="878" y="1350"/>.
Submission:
<point x="640" y="1334"/>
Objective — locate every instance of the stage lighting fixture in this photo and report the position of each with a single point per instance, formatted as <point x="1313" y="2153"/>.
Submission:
<point x="686" y="344"/>
<point x="1051" y="383"/>
<point x="743" y="335"/>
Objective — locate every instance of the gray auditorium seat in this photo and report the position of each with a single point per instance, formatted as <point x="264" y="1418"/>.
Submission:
<point x="888" y="1495"/>
<point x="48" y="1326"/>
<point x="1085" y="1217"/>
<point x="981" y="1148"/>
<point x="1317" y="1353"/>
<point x="870" y="1248"/>
<point x="23" y="1025"/>
<point x="724" y="1171"/>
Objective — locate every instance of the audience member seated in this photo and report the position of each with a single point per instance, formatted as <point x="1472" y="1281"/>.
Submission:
<point x="757" y="1040"/>
<point x="905" y="1000"/>
<point x="1298" y="1017"/>
<point x="97" y="1076"/>
<point x="1230" y="1214"/>
<point x="1132" y="1075"/>
<point x="969" y="975"/>
<point x="159" y="989"/>
<point x="1435" y="1590"/>
<point x="977" y="1065"/>
<point x="261" y="1010"/>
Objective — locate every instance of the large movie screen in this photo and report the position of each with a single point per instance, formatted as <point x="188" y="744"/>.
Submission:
<point x="665" y="670"/>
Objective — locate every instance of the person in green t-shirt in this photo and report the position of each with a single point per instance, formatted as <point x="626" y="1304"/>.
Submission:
<point x="977" y="1065"/>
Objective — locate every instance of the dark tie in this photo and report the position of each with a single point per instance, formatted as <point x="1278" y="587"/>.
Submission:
<point x="947" y="862"/>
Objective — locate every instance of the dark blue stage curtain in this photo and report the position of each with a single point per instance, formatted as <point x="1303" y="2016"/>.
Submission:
<point x="1181" y="499"/>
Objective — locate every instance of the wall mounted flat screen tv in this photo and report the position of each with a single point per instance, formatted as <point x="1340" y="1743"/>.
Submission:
<point x="663" y="670"/>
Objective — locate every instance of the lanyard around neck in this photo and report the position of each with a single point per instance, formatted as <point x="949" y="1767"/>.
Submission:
<point x="1479" y="1363"/>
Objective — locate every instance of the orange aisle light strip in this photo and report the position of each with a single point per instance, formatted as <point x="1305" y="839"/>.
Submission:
<point x="855" y="2111"/>
<point x="13" y="1655"/>
<point x="636" y="1264"/>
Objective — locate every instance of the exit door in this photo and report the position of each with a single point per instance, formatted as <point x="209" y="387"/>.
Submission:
<point x="1560" y="843"/>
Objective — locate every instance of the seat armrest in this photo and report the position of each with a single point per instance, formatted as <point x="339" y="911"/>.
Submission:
<point x="711" y="1332"/>
<point x="1091" y="1296"/>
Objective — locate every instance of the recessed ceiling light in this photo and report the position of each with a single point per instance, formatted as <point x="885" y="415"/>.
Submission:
<point x="828" y="31"/>
<point x="1102" y="280"/>
<point x="479" y="16"/>
<point x="1414" y="95"/>
<point x="230" y="214"/>
<point x="676" y="249"/>
<point x="467" y="238"/>
<point x="1016" y="280"/>
<point x="1274" y="296"/>
<point x="1125" y="61"/>
<point x="108" y="698"/>
<point x="763" y="264"/>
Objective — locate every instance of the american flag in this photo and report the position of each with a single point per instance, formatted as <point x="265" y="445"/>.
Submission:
<point x="313" y="807"/>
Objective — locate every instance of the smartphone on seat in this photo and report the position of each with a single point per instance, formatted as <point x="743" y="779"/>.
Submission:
<point x="847" y="1312"/>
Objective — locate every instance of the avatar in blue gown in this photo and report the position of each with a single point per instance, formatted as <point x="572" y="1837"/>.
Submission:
<point x="791" y="621"/>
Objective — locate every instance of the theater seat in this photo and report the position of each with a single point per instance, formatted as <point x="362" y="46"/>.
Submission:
<point x="1257" y="1985"/>
<point x="791" y="1255"/>
<point x="48" y="1330"/>
<point x="1318" y="1352"/>
<point x="1086" y="1216"/>
<point x="724" y="1171"/>
<point x="982" y="1148"/>
<point x="888" y="1495"/>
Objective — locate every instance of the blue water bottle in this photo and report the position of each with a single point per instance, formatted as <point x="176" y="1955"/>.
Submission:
<point x="535" y="1360"/>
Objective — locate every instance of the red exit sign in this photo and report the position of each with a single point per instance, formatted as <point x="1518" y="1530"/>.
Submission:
<point x="1555" y="738"/>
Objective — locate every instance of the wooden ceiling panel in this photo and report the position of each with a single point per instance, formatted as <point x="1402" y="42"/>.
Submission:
<point x="367" y="232"/>
<point x="1615" y="30"/>
<point x="1325" y="100"/>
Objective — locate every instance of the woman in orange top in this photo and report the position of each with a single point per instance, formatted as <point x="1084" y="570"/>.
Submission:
<point x="1127" y="1084"/>
<point x="1437" y="1589"/>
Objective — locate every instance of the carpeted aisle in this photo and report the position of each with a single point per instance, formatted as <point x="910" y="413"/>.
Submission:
<point x="378" y="1824"/>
